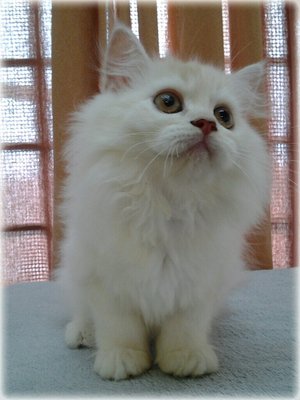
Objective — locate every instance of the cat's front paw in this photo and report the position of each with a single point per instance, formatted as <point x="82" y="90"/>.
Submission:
<point x="77" y="334"/>
<point x="188" y="362"/>
<point x="121" y="363"/>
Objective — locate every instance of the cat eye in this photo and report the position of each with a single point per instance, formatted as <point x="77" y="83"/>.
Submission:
<point x="168" y="101"/>
<point x="224" y="116"/>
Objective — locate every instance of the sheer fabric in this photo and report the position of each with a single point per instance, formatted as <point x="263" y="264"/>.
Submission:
<point x="27" y="159"/>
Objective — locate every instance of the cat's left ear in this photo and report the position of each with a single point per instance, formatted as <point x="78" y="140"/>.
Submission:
<point x="250" y="85"/>
<point x="125" y="60"/>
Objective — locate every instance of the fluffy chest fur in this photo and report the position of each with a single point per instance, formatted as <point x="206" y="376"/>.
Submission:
<point x="158" y="248"/>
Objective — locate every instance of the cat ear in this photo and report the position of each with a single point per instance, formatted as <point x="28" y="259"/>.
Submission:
<point x="249" y="83"/>
<point x="125" y="59"/>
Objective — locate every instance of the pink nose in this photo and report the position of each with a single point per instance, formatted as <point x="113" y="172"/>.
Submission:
<point x="206" y="126"/>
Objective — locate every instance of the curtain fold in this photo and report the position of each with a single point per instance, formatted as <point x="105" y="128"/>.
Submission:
<point x="196" y="30"/>
<point x="147" y="18"/>
<point x="74" y="79"/>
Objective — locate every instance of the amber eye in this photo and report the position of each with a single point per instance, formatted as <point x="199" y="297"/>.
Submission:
<point x="168" y="102"/>
<point x="224" y="116"/>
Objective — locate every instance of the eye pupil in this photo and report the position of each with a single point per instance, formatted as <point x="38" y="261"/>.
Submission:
<point x="168" y="100"/>
<point x="224" y="115"/>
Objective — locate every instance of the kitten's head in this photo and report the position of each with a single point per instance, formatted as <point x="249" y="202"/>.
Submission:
<point x="181" y="116"/>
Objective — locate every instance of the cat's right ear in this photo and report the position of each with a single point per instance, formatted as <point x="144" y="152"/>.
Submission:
<point x="124" y="61"/>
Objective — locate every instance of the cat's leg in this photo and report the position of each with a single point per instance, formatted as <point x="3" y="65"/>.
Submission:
<point x="80" y="331"/>
<point x="73" y="281"/>
<point x="121" y="337"/>
<point x="182" y="345"/>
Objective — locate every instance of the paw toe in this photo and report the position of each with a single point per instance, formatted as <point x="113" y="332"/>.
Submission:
<point x="121" y="363"/>
<point x="188" y="362"/>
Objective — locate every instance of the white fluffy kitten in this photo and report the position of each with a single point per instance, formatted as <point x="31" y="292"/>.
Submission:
<point x="165" y="178"/>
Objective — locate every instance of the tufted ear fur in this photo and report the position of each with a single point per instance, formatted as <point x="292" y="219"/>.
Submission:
<point x="124" y="61"/>
<point x="249" y="82"/>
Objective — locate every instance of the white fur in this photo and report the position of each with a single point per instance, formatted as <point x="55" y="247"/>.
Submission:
<point x="153" y="237"/>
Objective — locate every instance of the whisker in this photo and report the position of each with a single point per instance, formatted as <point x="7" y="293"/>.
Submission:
<point x="166" y="162"/>
<point x="150" y="141"/>
<point x="244" y="155"/>
<point x="140" y="153"/>
<point x="149" y="164"/>
<point x="236" y="54"/>
<point x="246" y="175"/>
<point x="145" y="133"/>
<point x="172" y="155"/>
<point x="284" y="169"/>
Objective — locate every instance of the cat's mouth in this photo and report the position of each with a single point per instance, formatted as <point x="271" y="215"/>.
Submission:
<point x="197" y="148"/>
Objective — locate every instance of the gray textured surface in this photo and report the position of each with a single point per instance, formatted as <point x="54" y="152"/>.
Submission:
<point x="255" y="340"/>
